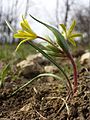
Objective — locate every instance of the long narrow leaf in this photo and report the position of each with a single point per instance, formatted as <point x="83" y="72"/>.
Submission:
<point x="60" y="39"/>
<point x="50" y="58"/>
<point x="3" y="74"/>
<point x="52" y="48"/>
<point x="4" y="71"/>
<point x="30" y="81"/>
<point x="55" y="54"/>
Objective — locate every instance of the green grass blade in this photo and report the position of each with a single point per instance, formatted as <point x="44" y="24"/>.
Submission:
<point x="3" y="74"/>
<point x="5" y="70"/>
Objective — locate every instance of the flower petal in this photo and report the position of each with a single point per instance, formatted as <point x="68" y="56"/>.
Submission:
<point x="71" y="40"/>
<point x="76" y="35"/>
<point x="26" y="31"/>
<point x="25" y="27"/>
<point x="71" y="28"/>
<point x="25" y="40"/>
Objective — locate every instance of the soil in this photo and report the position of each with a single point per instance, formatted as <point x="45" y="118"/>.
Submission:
<point x="42" y="100"/>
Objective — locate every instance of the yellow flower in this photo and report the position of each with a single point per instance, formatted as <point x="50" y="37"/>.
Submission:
<point x="68" y="34"/>
<point x="26" y="31"/>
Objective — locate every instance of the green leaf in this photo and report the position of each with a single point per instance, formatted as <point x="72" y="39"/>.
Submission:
<point x="63" y="27"/>
<point x="55" y="54"/>
<point x="51" y="59"/>
<point x="76" y="35"/>
<point x="52" y="48"/>
<point x="42" y="46"/>
<point x="32" y="80"/>
<point x="4" y="71"/>
<point x="45" y="55"/>
<point x="3" y="74"/>
<point x="60" y="39"/>
<point x="71" y="28"/>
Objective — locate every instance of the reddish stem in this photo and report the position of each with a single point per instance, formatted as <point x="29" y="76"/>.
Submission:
<point x="73" y="63"/>
<point x="75" y="74"/>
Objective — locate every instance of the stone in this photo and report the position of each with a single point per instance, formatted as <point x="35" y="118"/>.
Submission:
<point x="32" y="66"/>
<point x="29" y="69"/>
<point x="38" y="58"/>
<point x="85" y="59"/>
<point x="26" y="108"/>
<point x="50" y="69"/>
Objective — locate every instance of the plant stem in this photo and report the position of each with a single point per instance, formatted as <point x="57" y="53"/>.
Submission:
<point x="75" y="74"/>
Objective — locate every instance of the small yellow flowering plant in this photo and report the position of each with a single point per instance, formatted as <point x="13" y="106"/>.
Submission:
<point x="57" y="48"/>
<point x="68" y="34"/>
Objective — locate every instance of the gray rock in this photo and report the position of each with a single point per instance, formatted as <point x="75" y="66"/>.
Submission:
<point x="51" y="69"/>
<point x="32" y="66"/>
<point x="85" y="59"/>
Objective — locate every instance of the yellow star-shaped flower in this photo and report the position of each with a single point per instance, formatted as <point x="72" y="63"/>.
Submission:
<point x="68" y="34"/>
<point x="26" y="33"/>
